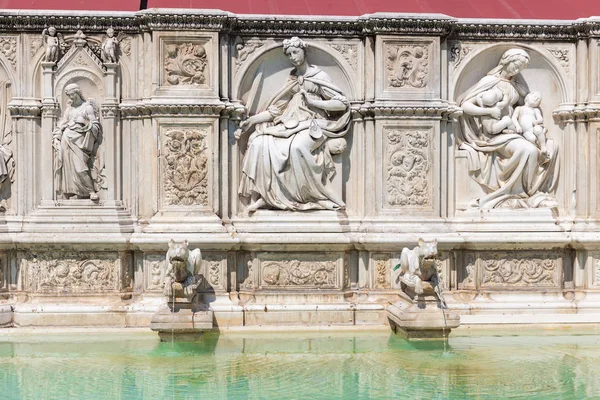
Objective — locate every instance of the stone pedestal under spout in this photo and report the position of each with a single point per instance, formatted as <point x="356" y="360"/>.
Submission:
<point x="182" y="322"/>
<point x="425" y="318"/>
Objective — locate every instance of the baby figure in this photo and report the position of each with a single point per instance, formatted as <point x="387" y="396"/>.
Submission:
<point x="528" y="120"/>
<point x="494" y="98"/>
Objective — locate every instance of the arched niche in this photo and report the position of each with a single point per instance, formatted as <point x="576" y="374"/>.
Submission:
<point x="543" y="75"/>
<point x="275" y="67"/>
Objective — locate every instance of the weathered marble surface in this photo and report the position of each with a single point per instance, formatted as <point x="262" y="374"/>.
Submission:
<point x="394" y="91"/>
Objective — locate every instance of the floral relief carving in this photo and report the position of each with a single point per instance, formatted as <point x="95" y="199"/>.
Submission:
<point x="408" y="169"/>
<point x="245" y="49"/>
<point x="8" y="47"/>
<point x="154" y="264"/>
<point x="407" y="66"/>
<point x="185" y="64"/>
<point x="596" y="272"/>
<point x="382" y="274"/>
<point x="458" y="54"/>
<point x="34" y="46"/>
<point x="349" y="52"/>
<point x="185" y="155"/>
<point x="562" y="55"/>
<point x="126" y="45"/>
<point x="519" y="269"/>
<point x="470" y="261"/>
<point x="71" y="271"/>
<point x="321" y="274"/>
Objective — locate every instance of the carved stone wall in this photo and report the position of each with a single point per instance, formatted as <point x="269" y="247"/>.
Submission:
<point x="388" y="153"/>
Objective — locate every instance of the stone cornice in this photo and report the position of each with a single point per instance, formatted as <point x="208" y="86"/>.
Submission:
<point x="393" y="110"/>
<point x="514" y="30"/>
<point x="565" y="114"/>
<point x="277" y="25"/>
<point x="147" y="110"/>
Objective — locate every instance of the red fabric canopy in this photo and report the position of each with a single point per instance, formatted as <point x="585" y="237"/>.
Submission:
<point x="521" y="9"/>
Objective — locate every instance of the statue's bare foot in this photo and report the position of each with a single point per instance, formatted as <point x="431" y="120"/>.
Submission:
<point x="94" y="196"/>
<point x="260" y="203"/>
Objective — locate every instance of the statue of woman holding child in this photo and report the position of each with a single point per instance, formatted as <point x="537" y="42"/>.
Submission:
<point x="503" y="133"/>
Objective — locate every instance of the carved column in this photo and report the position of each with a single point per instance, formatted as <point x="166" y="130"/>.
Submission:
<point x="49" y="114"/>
<point x="112" y="146"/>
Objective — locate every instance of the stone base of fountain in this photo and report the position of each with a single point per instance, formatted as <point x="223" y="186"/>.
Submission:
<point x="424" y="318"/>
<point x="182" y="322"/>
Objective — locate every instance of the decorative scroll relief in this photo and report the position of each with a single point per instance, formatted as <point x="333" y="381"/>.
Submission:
<point x="214" y="269"/>
<point x="245" y="49"/>
<point x="562" y="55"/>
<point x="349" y="52"/>
<point x="34" y="46"/>
<point x="407" y="66"/>
<point x="458" y="53"/>
<point x="301" y="271"/>
<point x="73" y="272"/>
<point x="185" y="64"/>
<point x="469" y="271"/>
<point x="154" y="267"/>
<point x="382" y="273"/>
<point x="185" y="167"/>
<point x="408" y="172"/>
<point x="126" y="45"/>
<point x="519" y="269"/>
<point x="8" y="47"/>
<point x="596" y="272"/>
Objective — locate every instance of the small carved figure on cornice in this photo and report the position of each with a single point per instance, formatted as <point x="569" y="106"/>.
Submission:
<point x="407" y="66"/>
<point x="76" y="139"/>
<point x="110" y="46"/>
<point x="52" y="41"/>
<point x="185" y="64"/>
<point x="288" y="164"/>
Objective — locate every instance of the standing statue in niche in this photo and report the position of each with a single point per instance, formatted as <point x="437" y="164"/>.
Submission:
<point x="508" y="153"/>
<point x="7" y="162"/>
<point x="76" y="139"/>
<point x="288" y="164"/>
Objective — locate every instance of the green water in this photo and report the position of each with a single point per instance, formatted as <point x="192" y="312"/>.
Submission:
<point x="370" y="365"/>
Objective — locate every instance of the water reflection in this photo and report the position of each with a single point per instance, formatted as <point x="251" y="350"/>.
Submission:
<point x="319" y="366"/>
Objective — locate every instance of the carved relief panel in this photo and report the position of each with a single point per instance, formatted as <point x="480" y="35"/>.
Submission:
<point x="407" y="179"/>
<point x="511" y="270"/>
<point x="4" y="272"/>
<point x="185" y="158"/>
<point x="154" y="271"/>
<point x="270" y="270"/>
<point x="74" y="272"/>
<point x="407" y="68"/>
<point x="187" y="65"/>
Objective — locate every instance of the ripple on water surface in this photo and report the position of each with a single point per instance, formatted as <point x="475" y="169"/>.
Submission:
<point x="301" y="366"/>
